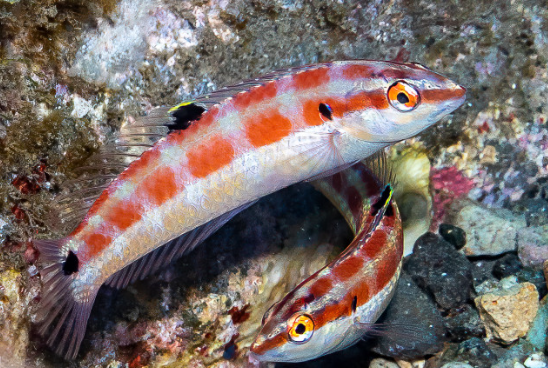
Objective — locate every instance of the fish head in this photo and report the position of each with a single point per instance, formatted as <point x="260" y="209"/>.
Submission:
<point x="391" y="102"/>
<point x="292" y="331"/>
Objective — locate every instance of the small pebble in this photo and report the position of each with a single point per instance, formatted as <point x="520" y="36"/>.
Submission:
<point x="453" y="234"/>
<point x="508" y="312"/>
<point x="456" y="365"/>
<point x="382" y="363"/>
<point x="535" y="361"/>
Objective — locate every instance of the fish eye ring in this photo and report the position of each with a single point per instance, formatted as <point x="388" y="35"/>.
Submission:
<point x="403" y="96"/>
<point x="300" y="328"/>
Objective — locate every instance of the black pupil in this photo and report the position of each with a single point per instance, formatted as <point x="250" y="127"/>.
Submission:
<point x="402" y="98"/>
<point x="300" y="329"/>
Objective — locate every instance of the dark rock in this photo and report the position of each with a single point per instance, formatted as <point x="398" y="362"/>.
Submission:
<point x="411" y="309"/>
<point x="473" y="351"/>
<point x="482" y="270"/>
<point x="453" y="234"/>
<point x="437" y="267"/>
<point x="506" y="266"/>
<point x="464" y="323"/>
<point x="536" y="277"/>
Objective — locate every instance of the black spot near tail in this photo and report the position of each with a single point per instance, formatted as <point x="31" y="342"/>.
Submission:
<point x="184" y="116"/>
<point x="71" y="264"/>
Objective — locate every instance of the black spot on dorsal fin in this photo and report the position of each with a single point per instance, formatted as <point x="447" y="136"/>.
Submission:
<point x="354" y="303"/>
<point x="71" y="264"/>
<point x="382" y="200"/>
<point x="184" y="115"/>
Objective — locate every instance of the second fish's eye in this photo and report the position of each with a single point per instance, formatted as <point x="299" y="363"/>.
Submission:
<point x="403" y="96"/>
<point x="301" y="328"/>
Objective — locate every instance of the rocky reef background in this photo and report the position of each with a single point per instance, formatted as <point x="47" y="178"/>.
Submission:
<point x="71" y="72"/>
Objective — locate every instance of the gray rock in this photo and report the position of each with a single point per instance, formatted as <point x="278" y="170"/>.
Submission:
<point x="411" y="307"/>
<point x="464" y="323"/>
<point x="437" y="267"/>
<point x="533" y="246"/>
<point x="473" y="351"/>
<point x="489" y="231"/>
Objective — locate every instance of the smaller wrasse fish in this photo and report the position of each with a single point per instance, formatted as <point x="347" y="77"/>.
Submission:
<point x="188" y="169"/>
<point x="335" y="307"/>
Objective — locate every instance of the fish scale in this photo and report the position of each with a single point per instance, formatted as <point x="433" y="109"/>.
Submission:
<point x="243" y="143"/>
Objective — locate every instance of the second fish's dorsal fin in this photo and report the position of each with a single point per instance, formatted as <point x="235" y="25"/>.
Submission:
<point x="137" y="136"/>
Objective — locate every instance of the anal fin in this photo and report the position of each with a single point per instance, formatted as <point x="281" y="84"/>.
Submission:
<point x="170" y="251"/>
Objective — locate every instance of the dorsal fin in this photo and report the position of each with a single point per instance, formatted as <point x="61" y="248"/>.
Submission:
<point x="135" y="137"/>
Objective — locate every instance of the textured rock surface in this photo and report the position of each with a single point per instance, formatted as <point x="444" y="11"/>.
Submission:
<point x="489" y="232"/>
<point x="411" y="307"/>
<point x="537" y="334"/>
<point x="508" y="312"/>
<point x="437" y="267"/>
<point x="533" y="246"/>
<point x="464" y="323"/>
<point x="473" y="351"/>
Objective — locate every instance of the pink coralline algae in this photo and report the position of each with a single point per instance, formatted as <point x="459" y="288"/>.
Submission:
<point x="448" y="185"/>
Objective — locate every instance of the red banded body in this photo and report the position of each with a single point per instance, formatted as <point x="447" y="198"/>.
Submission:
<point x="333" y="308"/>
<point x="187" y="170"/>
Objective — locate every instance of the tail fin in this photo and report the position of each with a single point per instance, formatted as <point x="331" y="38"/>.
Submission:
<point x="62" y="317"/>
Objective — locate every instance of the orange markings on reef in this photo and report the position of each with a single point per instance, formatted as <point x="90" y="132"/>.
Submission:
<point x="95" y="243"/>
<point x="269" y="129"/>
<point x="255" y="95"/>
<point x="348" y="268"/>
<point x="210" y="156"/>
<point x="159" y="186"/>
<point x="357" y="71"/>
<point x="311" y="78"/>
<point x="124" y="214"/>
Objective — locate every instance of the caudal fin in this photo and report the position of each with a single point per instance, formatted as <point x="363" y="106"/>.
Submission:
<point x="62" y="314"/>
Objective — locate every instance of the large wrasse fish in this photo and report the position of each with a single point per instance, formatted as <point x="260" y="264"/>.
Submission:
<point x="186" y="170"/>
<point x="336" y="306"/>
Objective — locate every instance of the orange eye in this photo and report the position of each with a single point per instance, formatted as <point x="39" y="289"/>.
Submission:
<point x="301" y="328"/>
<point x="403" y="97"/>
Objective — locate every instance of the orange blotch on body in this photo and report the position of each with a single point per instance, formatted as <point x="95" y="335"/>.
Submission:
<point x="210" y="156"/>
<point x="321" y="286"/>
<point x="357" y="71"/>
<point x="375" y="244"/>
<point x="159" y="186"/>
<point x="255" y="95"/>
<point x="124" y="214"/>
<point x="311" y="78"/>
<point x="348" y="268"/>
<point x="95" y="243"/>
<point x="269" y="129"/>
